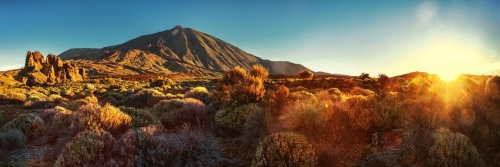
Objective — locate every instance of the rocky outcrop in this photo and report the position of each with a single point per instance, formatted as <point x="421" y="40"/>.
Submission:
<point x="38" y="70"/>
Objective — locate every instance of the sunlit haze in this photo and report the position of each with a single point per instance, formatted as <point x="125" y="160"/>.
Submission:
<point x="342" y="37"/>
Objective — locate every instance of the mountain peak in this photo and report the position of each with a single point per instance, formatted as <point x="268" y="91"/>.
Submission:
<point x="177" y="27"/>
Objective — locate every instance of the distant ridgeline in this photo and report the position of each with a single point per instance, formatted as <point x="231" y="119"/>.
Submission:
<point x="38" y="70"/>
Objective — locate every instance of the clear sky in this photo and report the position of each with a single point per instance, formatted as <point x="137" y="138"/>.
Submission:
<point x="347" y="37"/>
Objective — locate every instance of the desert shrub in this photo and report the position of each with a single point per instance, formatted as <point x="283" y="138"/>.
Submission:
<point x="94" y="117"/>
<point x="452" y="149"/>
<point x="166" y="106"/>
<point x="89" y="87"/>
<point x="306" y="74"/>
<point x="308" y="117"/>
<point x="200" y="93"/>
<point x="284" y="149"/>
<point x="492" y="88"/>
<point x="143" y="98"/>
<point x="67" y="93"/>
<point x="358" y="110"/>
<point x="276" y="100"/>
<point x="111" y="100"/>
<point x="127" y="147"/>
<point x="140" y="118"/>
<point x="235" y="118"/>
<point x="61" y="122"/>
<point x="386" y="111"/>
<point x="110" y="81"/>
<point x="360" y="91"/>
<point x="236" y="87"/>
<point x="1" y="117"/>
<point x="12" y="98"/>
<point x="30" y="124"/>
<point x="189" y="111"/>
<point x="334" y="91"/>
<point x="167" y="82"/>
<point x="12" y="140"/>
<point x="300" y="95"/>
<point x="115" y="95"/>
<point x="91" y="99"/>
<point x="255" y="128"/>
<point x="186" y="147"/>
<point x="74" y="105"/>
<point x="45" y="101"/>
<point x="88" y="148"/>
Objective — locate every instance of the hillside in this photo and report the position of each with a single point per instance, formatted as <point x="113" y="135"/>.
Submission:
<point x="179" y="49"/>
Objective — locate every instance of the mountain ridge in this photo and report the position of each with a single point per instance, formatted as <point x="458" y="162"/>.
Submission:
<point x="177" y="50"/>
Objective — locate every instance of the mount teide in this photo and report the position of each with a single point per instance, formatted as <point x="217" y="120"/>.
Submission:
<point x="179" y="49"/>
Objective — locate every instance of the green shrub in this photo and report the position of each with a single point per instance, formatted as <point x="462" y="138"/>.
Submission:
<point x="140" y="118"/>
<point x="284" y="149"/>
<point x="76" y="104"/>
<point x="143" y="98"/>
<point x="255" y="128"/>
<point x="12" y="140"/>
<point x="61" y="122"/>
<point x="234" y="119"/>
<point x="452" y="149"/>
<point x="94" y="117"/>
<point x="236" y="87"/>
<point x="30" y="124"/>
<point x="88" y="148"/>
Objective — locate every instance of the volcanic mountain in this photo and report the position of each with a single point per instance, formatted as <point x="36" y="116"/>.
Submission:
<point x="178" y="50"/>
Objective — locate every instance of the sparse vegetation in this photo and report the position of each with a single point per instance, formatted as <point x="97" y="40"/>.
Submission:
<point x="284" y="149"/>
<point x="247" y="119"/>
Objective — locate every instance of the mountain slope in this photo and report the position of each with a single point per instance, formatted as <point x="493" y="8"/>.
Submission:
<point x="176" y="50"/>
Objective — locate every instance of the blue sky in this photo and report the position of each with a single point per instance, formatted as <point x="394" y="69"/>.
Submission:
<point x="347" y="37"/>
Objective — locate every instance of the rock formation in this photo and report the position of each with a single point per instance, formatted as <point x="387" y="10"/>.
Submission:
<point x="39" y="70"/>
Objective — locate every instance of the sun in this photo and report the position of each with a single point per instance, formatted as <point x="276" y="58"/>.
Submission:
<point x="448" y="58"/>
<point x="447" y="77"/>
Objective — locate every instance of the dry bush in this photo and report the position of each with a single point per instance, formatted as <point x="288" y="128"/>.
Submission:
<point x="236" y="87"/>
<point x="306" y="74"/>
<point x="452" y="149"/>
<point x="492" y="89"/>
<point x="174" y="113"/>
<point x="30" y="124"/>
<point x="386" y="111"/>
<point x="61" y="122"/>
<point x="275" y="101"/>
<point x="309" y="117"/>
<point x="300" y="95"/>
<point x="46" y="102"/>
<point x="360" y="91"/>
<point x="359" y="111"/>
<point x="88" y="148"/>
<point x="200" y="93"/>
<point x="94" y="117"/>
<point x="284" y="149"/>
<point x="235" y="118"/>
<point x="12" y="98"/>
